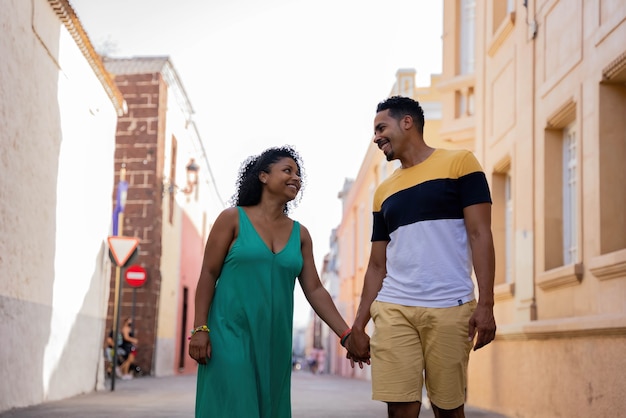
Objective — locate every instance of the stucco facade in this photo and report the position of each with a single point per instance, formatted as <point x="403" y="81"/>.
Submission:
<point x="537" y="90"/>
<point x="58" y="112"/>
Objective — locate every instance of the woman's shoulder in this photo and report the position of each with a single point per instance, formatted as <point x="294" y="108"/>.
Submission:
<point x="228" y="214"/>
<point x="304" y="232"/>
<point x="226" y="220"/>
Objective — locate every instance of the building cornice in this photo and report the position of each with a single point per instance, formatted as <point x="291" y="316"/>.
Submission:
<point x="616" y="70"/>
<point x="66" y="14"/>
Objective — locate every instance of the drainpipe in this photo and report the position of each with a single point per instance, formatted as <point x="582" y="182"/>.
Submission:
<point x="532" y="25"/>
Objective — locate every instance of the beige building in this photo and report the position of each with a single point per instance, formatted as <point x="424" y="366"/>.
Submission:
<point x="537" y="90"/>
<point x="58" y="113"/>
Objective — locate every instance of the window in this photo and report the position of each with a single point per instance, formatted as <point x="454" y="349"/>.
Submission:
<point x="501" y="8"/>
<point x="561" y="201"/>
<point x="611" y="262"/>
<point x="612" y="166"/>
<point x="561" y="198"/>
<point x="502" y="223"/>
<point x="172" y="186"/>
<point x="508" y="229"/>
<point x="570" y="198"/>
<point x="502" y="23"/>
<point x="467" y="36"/>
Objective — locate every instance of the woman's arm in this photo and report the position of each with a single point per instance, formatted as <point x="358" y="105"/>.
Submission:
<point x="316" y="294"/>
<point x="320" y="299"/>
<point x="127" y="337"/>
<point x="220" y="240"/>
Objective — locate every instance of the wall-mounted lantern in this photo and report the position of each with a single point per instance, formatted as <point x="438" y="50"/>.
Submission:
<point x="192" y="169"/>
<point x="192" y="176"/>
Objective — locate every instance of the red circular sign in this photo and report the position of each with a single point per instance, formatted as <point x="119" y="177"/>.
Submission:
<point x="135" y="275"/>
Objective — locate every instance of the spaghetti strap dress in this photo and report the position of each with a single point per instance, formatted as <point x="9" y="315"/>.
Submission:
<point x="251" y="320"/>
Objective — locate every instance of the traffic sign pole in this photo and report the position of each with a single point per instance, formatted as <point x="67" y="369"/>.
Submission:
<point x="135" y="277"/>
<point x="116" y="321"/>
<point x="118" y="290"/>
<point x="121" y="248"/>
<point x="132" y="310"/>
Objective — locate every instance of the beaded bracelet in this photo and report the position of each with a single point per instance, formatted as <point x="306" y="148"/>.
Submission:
<point x="201" y="328"/>
<point x="344" y="337"/>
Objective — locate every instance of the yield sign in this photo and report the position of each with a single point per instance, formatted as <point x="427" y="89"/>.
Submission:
<point x="122" y="248"/>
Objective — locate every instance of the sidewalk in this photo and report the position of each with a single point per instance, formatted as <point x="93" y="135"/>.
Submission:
<point x="313" y="396"/>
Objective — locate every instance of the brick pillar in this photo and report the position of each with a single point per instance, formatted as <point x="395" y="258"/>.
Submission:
<point x="140" y="146"/>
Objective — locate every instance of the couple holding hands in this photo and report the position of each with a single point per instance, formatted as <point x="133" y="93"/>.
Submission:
<point x="431" y="228"/>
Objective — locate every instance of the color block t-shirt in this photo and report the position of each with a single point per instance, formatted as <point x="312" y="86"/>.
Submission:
<point x="419" y="210"/>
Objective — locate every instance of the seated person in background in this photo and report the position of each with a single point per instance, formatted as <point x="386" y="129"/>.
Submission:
<point x="108" y="355"/>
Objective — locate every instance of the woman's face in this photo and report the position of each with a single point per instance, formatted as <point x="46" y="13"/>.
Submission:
<point x="283" y="177"/>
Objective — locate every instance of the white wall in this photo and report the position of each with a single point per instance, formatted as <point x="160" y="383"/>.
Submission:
<point x="180" y="126"/>
<point x="169" y="299"/>
<point x="57" y="137"/>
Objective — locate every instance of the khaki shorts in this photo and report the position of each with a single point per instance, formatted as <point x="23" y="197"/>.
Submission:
<point x="411" y="341"/>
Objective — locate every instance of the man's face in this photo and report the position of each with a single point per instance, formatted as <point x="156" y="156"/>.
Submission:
<point x="387" y="134"/>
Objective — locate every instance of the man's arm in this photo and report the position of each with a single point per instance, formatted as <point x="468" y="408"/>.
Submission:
<point x="478" y="225"/>
<point x="372" y="282"/>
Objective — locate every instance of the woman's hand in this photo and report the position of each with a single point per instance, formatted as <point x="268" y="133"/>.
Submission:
<point x="200" y="347"/>
<point x="358" y="346"/>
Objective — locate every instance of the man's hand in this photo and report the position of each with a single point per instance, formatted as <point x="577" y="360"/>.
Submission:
<point x="358" y="346"/>
<point x="483" y="322"/>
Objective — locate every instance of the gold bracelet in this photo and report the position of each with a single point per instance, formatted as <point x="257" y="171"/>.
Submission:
<point x="201" y="328"/>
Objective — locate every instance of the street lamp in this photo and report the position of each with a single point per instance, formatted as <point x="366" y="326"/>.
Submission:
<point x="192" y="180"/>
<point x="192" y="176"/>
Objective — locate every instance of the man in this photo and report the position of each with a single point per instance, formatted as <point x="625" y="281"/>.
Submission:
<point x="432" y="222"/>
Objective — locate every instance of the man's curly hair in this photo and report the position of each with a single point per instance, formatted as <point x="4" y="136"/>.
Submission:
<point x="399" y="106"/>
<point x="249" y="187"/>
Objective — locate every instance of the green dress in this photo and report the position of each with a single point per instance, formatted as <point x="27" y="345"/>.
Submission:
<point x="251" y="319"/>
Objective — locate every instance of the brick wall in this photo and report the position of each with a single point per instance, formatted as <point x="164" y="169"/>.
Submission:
<point x="140" y="145"/>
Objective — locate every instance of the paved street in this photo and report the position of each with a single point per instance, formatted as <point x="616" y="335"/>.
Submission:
<point x="313" y="396"/>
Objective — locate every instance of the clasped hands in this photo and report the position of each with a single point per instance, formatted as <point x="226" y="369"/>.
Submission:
<point x="358" y="346"/>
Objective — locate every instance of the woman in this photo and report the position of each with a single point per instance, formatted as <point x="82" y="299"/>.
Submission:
<point x="129" y="345"/>
<point x="244" y="299"/>
<point x="126" y="349"/>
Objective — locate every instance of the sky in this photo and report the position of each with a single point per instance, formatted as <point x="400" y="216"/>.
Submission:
<point x="280" y="72"/>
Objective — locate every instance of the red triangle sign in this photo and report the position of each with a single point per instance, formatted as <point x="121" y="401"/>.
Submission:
<point x="122" y="248"/>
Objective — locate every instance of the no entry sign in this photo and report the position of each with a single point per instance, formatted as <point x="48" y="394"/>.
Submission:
<point x="135" y="276"/>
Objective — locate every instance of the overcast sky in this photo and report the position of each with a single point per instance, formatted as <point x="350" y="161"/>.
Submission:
<point x="274" y="72"/>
